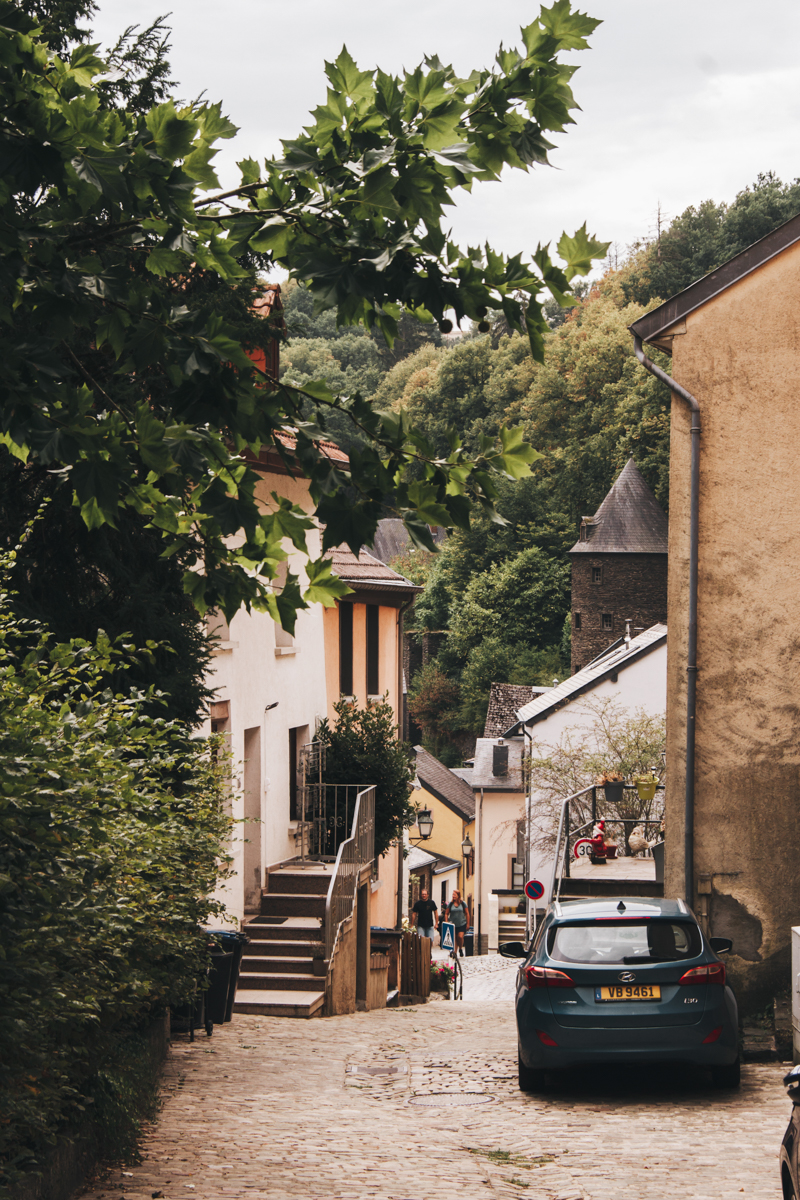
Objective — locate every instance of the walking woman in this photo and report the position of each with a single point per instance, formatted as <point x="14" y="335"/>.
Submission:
<point x="458" y="914"/>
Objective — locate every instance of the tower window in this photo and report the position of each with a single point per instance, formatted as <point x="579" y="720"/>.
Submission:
<point x="597" y="574"/>
<point x="577" y="618"/>
<point x="608" y="621"/>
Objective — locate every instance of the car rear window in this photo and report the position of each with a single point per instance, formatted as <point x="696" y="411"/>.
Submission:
<point x="601" y="942"/>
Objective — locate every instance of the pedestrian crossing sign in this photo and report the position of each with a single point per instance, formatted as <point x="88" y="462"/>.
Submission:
<point x="447" y="938"/>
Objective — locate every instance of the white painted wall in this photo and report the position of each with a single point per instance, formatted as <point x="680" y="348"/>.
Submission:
<point x="247" y="672"/>
<point x="640" y="685"/>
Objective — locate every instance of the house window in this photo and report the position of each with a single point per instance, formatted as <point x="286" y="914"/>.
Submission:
<point x="577" y="668"/>
<point x="577" y="617"/>
<point x="283" y="640"/>
<point x="373" y="615"/>
<point x="597" y="574"/>
<point x="346" y="649"/>
<point x="608" y="622"/>
<point x="443" y="901"/>
<point x="469" y="862"/>
<point x="294" y="771"/>
<point x="517" y="874"/>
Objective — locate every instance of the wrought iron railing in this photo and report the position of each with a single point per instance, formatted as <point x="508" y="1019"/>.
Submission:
<point x="354" y="853"/>
<point x="568" y="833"/>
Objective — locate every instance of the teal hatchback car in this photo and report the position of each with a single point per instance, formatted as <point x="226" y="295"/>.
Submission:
<point x="623" y="981"/>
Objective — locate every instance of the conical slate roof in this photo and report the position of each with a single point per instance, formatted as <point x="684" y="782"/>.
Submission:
<point x="629" y="521"/>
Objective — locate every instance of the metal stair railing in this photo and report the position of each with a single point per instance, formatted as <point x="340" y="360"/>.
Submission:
<point x="354" y="853"/>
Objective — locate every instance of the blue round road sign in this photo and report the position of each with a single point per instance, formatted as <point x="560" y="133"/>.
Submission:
<point x="534" y="890"/>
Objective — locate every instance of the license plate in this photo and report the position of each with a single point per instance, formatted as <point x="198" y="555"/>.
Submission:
<point x="629" y="991"/>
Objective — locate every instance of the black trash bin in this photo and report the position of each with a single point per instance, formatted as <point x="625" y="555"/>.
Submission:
<point x="192" y="1016"/>
<point x="233" y="943"/>
<point x="469" y="943"/>
<point x="219" y="981"/>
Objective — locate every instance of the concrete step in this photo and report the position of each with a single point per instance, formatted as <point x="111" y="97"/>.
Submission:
<point x="295" y="930"/>
<point x="292" y="905"/>
<point x="290" y="966"/>
<point x="289" y="882"/>
<point x="274" y="949"/>
<point x="274" y="982"/>
<point x="288" y="1003"/>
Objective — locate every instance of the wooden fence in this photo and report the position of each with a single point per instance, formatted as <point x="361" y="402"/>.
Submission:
<point x="415" y="965"/>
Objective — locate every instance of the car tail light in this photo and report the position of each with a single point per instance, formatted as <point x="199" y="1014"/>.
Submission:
<point x="712" y="1037"/>
<point x="545" y="1038"/>
<point x="713" y="973"/>
<point x="539" y="977"/>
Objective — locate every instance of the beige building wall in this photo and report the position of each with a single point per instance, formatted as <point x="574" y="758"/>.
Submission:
<point x="388" y="639"/>
<point x="740" y="356"/>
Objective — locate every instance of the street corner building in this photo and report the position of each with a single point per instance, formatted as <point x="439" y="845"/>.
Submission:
<point x="734" y="341"/>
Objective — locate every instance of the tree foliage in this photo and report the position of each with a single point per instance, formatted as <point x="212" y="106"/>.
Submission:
<point x="362" y="748"/>
<point x="113" y="839"/>
<point x="603" y="737"/>
<point x="117" y="371"/>
<point x="706" y="235"/>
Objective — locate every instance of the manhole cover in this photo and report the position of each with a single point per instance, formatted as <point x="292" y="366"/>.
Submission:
<point x="451" y="1099"/>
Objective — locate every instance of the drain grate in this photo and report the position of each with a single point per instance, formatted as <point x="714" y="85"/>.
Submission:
<point x="451" y="1099"/>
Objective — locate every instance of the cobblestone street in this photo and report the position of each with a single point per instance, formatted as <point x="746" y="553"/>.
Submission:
<point x="422" y="1103"/>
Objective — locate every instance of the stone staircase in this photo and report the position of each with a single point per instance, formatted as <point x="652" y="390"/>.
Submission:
<point x="283" y="966"/>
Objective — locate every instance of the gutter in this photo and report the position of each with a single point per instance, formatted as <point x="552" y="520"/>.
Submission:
<point x="691" y="663"/>
<point x="400" y="731"/>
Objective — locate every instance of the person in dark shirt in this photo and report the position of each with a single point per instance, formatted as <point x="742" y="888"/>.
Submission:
<point x="426" y="916"/>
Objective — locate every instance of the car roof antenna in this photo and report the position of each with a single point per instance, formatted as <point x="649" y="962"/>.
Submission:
<point x="620" y="907"/>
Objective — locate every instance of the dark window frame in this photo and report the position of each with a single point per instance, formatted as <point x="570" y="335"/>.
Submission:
<point x="607" y="622"/>
<point x="577" y="620"/>
<point x="373" y="649"/>
<point x="597" y="574"/>
<point x="345" y="649"/>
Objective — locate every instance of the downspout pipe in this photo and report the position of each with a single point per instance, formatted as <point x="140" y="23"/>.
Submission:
<point x="691" y="664"/>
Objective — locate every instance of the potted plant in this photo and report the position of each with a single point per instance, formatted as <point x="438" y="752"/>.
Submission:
<point x="646" y="785"/>
<point x="612" y="783"/>
<point x="442" y="976"/>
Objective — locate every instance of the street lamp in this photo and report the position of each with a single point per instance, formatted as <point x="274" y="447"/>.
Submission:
<point x="425" y="823"/>
<point x="467" y="847"/>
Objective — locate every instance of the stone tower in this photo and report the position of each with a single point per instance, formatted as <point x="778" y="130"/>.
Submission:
<point x="619" y="568"/>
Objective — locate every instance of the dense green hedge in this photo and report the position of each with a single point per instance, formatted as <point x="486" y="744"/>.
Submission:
<point x="112" y="828"/>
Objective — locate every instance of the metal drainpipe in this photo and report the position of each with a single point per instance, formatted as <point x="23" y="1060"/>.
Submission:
<point x="400" y="844"/>
<point x="691" y="665"/>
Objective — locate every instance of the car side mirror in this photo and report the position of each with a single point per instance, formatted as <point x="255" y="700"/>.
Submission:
<point x="792" y="1082"/>
<point x="721" y="945"/>
<point x="512" y="950"/>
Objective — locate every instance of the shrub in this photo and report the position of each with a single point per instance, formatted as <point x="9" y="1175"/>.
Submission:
<point x="113" y="828"/>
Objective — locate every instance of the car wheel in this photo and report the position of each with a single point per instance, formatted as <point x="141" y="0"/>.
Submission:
<point x="788" y="1188"/>
<point x="727" y="1077"/>
<point x="529" y="1079"/>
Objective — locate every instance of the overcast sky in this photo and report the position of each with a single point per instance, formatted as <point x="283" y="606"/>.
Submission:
<point x="681" y="101"/>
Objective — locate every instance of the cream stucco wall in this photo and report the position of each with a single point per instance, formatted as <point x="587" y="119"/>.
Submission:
<point x="740" y="356"/>
<point x="496" y="841"/>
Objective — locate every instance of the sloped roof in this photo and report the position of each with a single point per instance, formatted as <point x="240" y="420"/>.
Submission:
<point x="392" y="538"/>
<point x="442" y="783"/>
<point x="418" y="858"/>
<point x="615" y="658"/>
<point x="655" y="325"/>
<point x="364" y="572"/>
<point x="481" y="776"/>
<point x="629" y="521"/>
<point x="504" y="700"/>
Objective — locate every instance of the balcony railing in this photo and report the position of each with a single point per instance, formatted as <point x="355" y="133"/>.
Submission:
<point x="569" y="832"/>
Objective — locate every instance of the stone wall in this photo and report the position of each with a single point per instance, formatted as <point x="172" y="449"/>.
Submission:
<point x="632" y="587"/>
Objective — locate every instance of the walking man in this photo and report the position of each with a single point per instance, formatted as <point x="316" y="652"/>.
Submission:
<point x="426" y="915"/>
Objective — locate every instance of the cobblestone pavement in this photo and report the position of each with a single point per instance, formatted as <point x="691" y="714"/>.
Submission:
<point x="422" y="1103"/>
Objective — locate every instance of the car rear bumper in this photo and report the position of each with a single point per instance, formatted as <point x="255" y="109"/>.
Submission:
<point x="555" y="1058"/>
